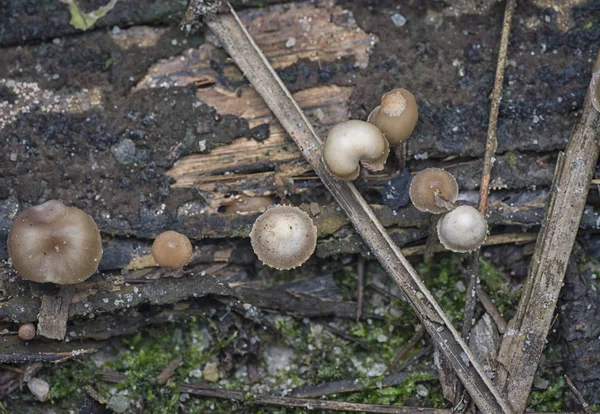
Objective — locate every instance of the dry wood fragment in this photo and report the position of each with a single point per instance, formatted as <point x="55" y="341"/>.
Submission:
<point x="168" y="371"/>
<point x="577" y="394"/>
<point x="525" y="338"/>
<point x="54" y="313"/>
<point x="241" y="47"/>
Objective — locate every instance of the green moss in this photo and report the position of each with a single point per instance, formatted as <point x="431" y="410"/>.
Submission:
<point x="551" y="399"/>
<point x="68" y="381"/>
<point x="442" y="278"/>
<point x="511" y="159"/>
<point x="83" y="21"/>
<point x="497" y="286"/>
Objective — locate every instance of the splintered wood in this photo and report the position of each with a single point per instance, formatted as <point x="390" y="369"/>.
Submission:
<point x="319" y="34"/>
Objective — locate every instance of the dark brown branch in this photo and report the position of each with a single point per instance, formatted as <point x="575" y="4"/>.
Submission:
<point x="360" y="271"/>
<point x="42" y="357"/>
<point x="525" y="338"/>
<point x="241" y="47"/>
<point x="584" y="405"/>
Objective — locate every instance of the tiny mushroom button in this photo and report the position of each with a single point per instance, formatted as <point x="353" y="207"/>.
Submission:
<point x="172" y="250"/>
<point x="397" y="115"/>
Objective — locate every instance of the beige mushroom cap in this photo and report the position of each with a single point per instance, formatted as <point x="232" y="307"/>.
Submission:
<point x="462" y="230"/>
<point x="172" y="250"/>
<point x="283" y="237"/>
<point x="397" y="115"/>
<point x="54" y="243"/>
<point x="351" y="142"/>
<point x="426" y="183"/>
<point x="27" y="331"/>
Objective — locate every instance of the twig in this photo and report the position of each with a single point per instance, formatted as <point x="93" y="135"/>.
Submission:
<point x="347" y="337"/>
<point x="491" y="241"/>
<point x="349" y="385"/>
<point x="55" y="357"/>
<point x="168" y="371"/>
<point x="491" y="309"/>
<point x="488" y="162"/>
<point x="360" y="270"/>
<point x="584" y="405"/>
<point x="407" y="348"/>
<point x="241" y="47"/>
<point x="524" y="341"/>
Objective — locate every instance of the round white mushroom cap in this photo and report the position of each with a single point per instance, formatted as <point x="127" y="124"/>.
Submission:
<point x="351" y="142"/>
<point x="462" y="230"/>
<point x="283" y="237"/>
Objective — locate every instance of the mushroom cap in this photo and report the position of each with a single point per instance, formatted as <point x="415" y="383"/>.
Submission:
<point x="243" y="204"/>
<point x="351" y="142"/>
<point x="397" y="115"/>
<point x="462" y="230"/>
<point x="172" y="250"/>
<point x="27" y="331"/>
<point x="426" y="183"/>
<point x="283" y="237"/>
<point x="54" y="243"/>
<point x="595" y="90"/>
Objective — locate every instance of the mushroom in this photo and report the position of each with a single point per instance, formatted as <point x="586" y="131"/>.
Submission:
<point x="595" y="90"/>
<point x="462" y="230"/>
<point x="351" y="142"/>
<point x="283" y="237"/>
<point x="243" y="204"/>
<point x="172" y="250"/>
<point x="27" y="331"/>
<point x="397" y="115"/>
<point x="54" y="243"/>
<point x="429" y="182"/>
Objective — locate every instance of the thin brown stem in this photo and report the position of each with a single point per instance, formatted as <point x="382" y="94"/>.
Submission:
<point x="584" y="405"/>
<point x="360" y="270"/>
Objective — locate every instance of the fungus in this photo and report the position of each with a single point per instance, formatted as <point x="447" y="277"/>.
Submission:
<point x="429" y="182"/>
<point x="172" y="250"/>
<point x="351" y="142"/>
<point x="243" y="204"/>
<point x="397" y="115"/>
<point x="283" y="237"/>
<point x="595" y="90"/>
<point x="54" y="243"/>
<point x="462" y="230"/>
<point x="27" y="331"/>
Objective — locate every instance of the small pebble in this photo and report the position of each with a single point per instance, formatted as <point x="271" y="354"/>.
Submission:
<point x="398" y="20"/>
<point x="291" y="42"/>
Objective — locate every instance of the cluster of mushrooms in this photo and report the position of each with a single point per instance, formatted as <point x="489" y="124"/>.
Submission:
<point x="53" y="243"/>
<point x="434" y="190"/>
<point x="284" y="237"/>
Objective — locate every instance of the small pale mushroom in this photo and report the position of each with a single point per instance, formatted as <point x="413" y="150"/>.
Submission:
<point x="427" y="183"/>
<point x="27" y="331"/>
<point x="54" y="243"/>
<point x="172" y="250"/>
<point x="397" y="115"/>
<point x="462" y="230"/>
<point x="283" y="237"/>
<point x="351" y="142"/>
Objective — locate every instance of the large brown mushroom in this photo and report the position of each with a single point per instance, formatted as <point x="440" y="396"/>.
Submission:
<point x="54" y="243"/>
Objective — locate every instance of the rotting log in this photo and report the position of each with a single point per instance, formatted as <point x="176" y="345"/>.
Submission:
<point x="524" y="341"/>
<point x="242" y="48"/>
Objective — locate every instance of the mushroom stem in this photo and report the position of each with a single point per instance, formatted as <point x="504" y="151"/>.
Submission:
<point x="400" y="151"/>
<point x="443" y="202"/>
